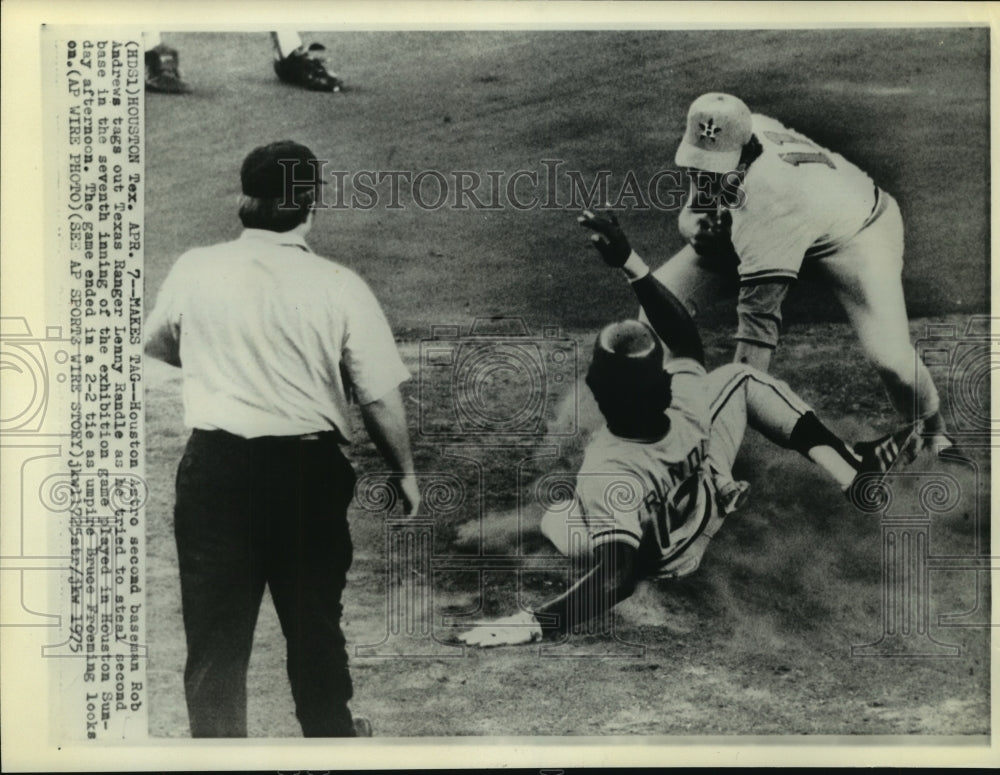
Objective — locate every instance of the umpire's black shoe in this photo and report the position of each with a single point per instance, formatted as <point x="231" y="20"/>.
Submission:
<point x="307" y="68"/>
<point x="878" y="458"/>
<point x="362" y="727"/>
<point x="162" y="73"/>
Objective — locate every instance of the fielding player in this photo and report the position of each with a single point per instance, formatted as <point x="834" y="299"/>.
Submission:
<point x="671" y="431"/>
<point x="271" y="340"/>
<point x="294" y="64"/>
<point x="772" y="204"/>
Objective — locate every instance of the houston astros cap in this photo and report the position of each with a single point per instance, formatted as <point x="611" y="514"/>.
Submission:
<point x="718" y="126"/>
<point x="264" y="171"/>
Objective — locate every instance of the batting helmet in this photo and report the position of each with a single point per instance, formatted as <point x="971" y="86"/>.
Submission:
<point x="626" y="374"/>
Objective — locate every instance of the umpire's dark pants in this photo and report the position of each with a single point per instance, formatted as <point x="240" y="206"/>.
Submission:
<point x="251" y="512"/>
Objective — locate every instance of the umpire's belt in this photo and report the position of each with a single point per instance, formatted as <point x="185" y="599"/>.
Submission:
<point x="319" y="438"/>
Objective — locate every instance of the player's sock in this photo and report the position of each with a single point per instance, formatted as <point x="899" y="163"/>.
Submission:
<point x="827" y="450"/>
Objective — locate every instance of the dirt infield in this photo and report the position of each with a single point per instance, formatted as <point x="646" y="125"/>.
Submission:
<point x="760" y="640"/>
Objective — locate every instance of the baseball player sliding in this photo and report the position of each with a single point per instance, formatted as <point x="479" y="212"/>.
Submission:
<point x="672" y="431"/>
<point x="772" y="203"/>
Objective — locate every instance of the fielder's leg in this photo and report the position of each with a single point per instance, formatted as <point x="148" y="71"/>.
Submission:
<point x="866" y="277"/>
<point x="696" y="281"/>
<point x="296" y="64"/>
<point x="285" y="43"/>
<point x="162" y="66"/>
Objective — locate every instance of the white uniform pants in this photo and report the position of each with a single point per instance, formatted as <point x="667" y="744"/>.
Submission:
<point x="865" y="276"/>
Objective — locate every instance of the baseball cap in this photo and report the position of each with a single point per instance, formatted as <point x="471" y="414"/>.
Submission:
<point x="718" y="126"/>
<point x="264" y="170"/>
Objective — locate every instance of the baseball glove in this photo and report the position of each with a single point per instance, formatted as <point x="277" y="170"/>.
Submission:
<point x="709" y="233"/>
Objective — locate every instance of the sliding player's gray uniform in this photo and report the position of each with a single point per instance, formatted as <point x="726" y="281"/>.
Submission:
<point x="671" y="480"/>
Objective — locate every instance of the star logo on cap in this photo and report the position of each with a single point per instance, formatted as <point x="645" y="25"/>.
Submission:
<point x="709" y="130"/>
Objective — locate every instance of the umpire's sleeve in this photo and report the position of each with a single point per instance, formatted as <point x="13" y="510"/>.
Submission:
<point x="370" y="357"/>
<point x="163" y="326"/>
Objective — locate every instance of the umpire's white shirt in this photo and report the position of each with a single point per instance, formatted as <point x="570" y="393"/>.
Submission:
<point x="271" y="337"/>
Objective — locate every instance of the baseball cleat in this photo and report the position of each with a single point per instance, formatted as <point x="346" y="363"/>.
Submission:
<point x="162" y="73"/>
<point x="878" y="458"/>
<point x="362" y="727"/>
<point x="307" y="68"/>
<point x="882" y="455"/>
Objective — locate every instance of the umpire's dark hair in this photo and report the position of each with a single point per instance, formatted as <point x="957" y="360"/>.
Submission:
<point x="277" y="214"/>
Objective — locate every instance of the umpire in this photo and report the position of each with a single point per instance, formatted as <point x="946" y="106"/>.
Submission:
<point x="271" y="339"/>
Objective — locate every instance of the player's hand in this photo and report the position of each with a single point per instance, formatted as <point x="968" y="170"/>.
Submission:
<point x="608" y="237"/>
<point x="516" y="630"/>
<point x="408" y="490"/>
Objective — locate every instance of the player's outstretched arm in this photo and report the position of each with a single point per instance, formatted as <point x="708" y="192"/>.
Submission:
<point x="666" y="314"/>
<point x="669" y="318"/>
<point x="612" y="579"/>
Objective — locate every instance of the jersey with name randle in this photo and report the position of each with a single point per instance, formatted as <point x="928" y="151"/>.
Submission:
<point x="655" y="496"/>
<point x="800" y="201"/>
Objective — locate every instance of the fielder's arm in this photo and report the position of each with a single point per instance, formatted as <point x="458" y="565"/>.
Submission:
<point x="385" y="421"/>
<point x="759" y="311"/>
